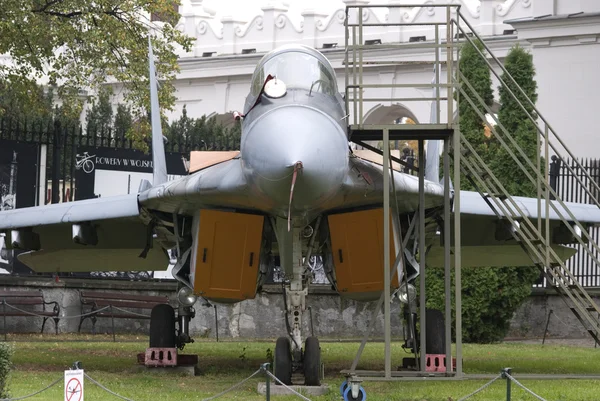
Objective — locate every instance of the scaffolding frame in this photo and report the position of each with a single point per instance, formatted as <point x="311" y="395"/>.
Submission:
<point x="436" y="130"/>
<point x="532" y="234"/>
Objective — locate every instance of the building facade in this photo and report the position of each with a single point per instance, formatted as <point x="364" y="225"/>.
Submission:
<point x="562" y="35"/>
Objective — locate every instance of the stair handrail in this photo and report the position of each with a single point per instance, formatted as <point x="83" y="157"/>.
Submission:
<point x="546" y="185"/>
<point x="460" y="17"/>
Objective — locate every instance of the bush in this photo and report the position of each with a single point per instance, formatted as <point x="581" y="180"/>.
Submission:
<point x="6" y="353"/>
<point x="490" y="297"/>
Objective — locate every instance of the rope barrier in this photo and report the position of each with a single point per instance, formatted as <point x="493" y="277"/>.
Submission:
<point x="34" y="394"/>
<point x="233" y="387"/>
<point x="272" y="376"/>
<point x="106" y="389"/>
<point x="129" y="312"/>
<point x="480" y="389"/>
<point x="523" y="387"/>
<point x="62" y="317"/>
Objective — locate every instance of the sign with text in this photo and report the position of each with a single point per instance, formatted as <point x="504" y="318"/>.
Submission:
<point x="74" y="385"/>
<point x="102" y="172"/>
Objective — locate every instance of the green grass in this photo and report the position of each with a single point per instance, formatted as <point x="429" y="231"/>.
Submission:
<point x="38" y="363"/>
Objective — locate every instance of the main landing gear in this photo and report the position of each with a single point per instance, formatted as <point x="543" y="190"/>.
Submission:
<point x="292" y="355"/>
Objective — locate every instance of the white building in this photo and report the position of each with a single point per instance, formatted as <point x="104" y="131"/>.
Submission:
<point x="232" y="35"/>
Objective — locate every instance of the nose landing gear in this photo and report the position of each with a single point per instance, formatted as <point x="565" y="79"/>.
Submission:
<point x="309" y="364"/>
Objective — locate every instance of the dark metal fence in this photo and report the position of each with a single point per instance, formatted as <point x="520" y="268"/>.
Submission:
<point x="60" y="142"/>
<point x="568" y="188"/>
<point x="40" y="163"/>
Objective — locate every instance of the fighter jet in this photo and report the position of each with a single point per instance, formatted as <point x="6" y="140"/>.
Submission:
<point x="295" y="189"/>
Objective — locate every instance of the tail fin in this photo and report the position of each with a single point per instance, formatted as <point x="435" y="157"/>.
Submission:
<point x="432" y="161"/>
<point x="158" y="148"/>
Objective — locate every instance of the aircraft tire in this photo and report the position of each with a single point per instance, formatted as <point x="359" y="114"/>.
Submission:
<point x="436" y="338"/>
<point x="312" y="362"/>
<point x="162" y="327"/>
<point x="283" y="360"/>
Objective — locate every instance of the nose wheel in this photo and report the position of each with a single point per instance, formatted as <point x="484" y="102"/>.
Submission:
<point x="310" y="364"/>
<point x="283" y="360"/>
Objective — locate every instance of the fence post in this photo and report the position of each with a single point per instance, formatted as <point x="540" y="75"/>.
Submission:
<point x="216" y="322"/>
<point x="554" y="174"/>
<point x="56" y="162"/>
<point x="547" y="323"/>
<point x="265" y="368"/>
<point x="505" y="373"/>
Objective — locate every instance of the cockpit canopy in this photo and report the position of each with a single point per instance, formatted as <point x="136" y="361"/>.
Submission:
<point x="299" y="67"/>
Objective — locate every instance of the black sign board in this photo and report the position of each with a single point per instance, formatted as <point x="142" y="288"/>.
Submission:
<point x="18" y="171"/>
<point x="91" y="159"/>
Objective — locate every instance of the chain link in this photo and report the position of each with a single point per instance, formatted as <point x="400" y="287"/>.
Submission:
<point x="54" y="383"/>
<point x="523" y="387"/>
<point x="480" y="389"/>
<point x="233" y="387"/>
<point x="272" y="376"/>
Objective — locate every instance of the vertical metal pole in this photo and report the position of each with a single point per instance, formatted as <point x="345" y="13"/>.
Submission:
<point x="42" y="182"/>
<point x="505" y="373"/>
<point x="547" y="195"/>
<point x="447" y="273"/>
<point x="346" y="61"/>
<point x="360" y="66"/>
<point x="437" y="75"/>
<point x="457" y="229"/>
<point x="216" y="322"/>
<point x="56" y="163"/>
<point x="4" y="312"/>
<point x="449" y="66"/>
<point x="423" y="330"/>
<point x="112" y="318"/>
<point x="538" y="157"/>
<point x="268" y="389"/>
<point x="355" y="118"/>
<point x="386" y="253"/>
<point x="547" y="324"/>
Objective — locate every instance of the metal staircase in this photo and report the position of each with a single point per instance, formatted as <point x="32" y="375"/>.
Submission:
<point x="450" y="29"/>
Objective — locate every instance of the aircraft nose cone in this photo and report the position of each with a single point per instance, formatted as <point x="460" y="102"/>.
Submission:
<point x="296" y="141"/>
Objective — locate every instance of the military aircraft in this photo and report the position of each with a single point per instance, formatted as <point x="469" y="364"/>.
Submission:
<point x="295" y="189"/>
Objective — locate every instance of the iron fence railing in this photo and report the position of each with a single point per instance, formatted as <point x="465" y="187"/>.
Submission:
<point x="574" y="181"/>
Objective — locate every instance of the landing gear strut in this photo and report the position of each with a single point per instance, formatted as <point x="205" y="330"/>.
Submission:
<point x="290" y="357"/>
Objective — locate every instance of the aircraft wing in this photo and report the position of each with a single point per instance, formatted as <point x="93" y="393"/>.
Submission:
<point x="49" y="234"/>
<point x="119" y="223"/>
<point x="364" y="187"/>
<point x="486" y="241"/>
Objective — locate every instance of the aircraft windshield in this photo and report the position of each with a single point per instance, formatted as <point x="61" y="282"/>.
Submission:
<point x="298" y="70"/>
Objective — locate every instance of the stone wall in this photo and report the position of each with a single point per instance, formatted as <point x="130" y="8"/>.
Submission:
<point x="333" y="317"/>
<point x="262" y="317"/>
<point x="531" y="318"/>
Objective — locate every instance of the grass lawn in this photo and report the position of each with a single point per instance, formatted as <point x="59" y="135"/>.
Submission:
<point x="38" y="363"/>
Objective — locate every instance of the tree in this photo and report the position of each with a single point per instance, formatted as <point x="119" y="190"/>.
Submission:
<point x="80" y="44"/>
<point x="519" y="64"/>
<point x="491" y="295"/>
<point x="99" y="117"/>
<point x="472" y="126"/>
<point x="123" y="121"/>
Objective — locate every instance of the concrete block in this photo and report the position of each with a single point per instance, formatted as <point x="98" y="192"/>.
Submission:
<point x="314" y="391"/>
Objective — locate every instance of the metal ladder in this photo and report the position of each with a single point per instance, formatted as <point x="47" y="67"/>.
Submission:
<point x="533" y="235"/>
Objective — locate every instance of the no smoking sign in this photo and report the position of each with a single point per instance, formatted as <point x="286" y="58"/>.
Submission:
<point x="74" y="385"/>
